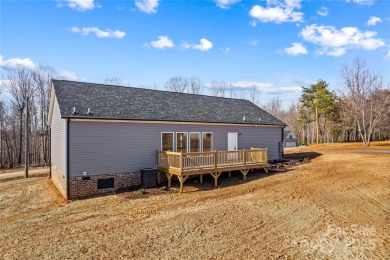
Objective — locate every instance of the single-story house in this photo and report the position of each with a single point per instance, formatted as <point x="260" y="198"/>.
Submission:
<point x="103" y="135"/>
<point x="290" y="139"/>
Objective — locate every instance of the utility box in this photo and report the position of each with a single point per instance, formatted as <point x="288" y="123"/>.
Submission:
<point x="148" y="177"/>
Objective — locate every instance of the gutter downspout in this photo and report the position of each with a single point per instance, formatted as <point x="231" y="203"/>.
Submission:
<point x="67" y="160"/>
<point x="50" y="151"/>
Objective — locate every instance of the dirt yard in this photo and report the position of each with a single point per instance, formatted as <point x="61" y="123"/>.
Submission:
<point x="336" y="206"/>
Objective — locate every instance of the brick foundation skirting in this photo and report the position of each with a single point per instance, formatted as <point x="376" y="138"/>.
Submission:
<point x="87" y="186"/>
<point x="59" y="180"/>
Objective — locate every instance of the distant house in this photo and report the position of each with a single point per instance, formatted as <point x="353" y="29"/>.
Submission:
<point x="103" y="135"/>
<point x="289" y="139"/>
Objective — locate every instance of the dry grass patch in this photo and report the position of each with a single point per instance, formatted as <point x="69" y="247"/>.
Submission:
<point x="336" y="206"/>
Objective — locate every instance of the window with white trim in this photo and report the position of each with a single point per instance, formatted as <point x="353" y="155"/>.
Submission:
<point x="181" y="142"/>
<point x="207" y="141"/>
<point x="167" y="141"/>
<point x="195" y="142"/>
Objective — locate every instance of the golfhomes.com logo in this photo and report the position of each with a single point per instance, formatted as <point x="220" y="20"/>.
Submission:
<point x="353" y="241"/>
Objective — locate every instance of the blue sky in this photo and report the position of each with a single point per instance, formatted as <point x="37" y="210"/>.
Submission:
<point x="277" y="46"/>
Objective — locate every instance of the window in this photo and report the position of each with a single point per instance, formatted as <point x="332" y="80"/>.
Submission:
<point x="207" y="142"/>
<point x="166" y="141"/>
<point x="194" y="142"/>
<point x="290" y="137"/>
<point x="181" y="142"/>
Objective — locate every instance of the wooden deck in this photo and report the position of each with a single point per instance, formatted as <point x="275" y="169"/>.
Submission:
<point x="214" y="163"/>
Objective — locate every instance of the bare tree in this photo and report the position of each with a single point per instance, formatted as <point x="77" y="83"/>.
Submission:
<point x="195" y="85"/>
<point x="219" y="88"/>
<point x="274" y="107"/>
<point x="177" y="84"/>
<point x="232" y="91"/>
<point x="253" y="94"/>
<point x="366" y="99"/>
<point x="21" y="86"/>
<point x="113" y="81"/>
<point x="42" y="79"/>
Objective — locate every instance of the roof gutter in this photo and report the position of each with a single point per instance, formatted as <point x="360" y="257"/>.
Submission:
<point x="166" y="121"/>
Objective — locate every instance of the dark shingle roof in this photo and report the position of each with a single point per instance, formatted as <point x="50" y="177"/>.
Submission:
<point x="116" y="102"/>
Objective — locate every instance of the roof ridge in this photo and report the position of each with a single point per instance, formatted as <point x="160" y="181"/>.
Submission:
<point x="158" y="90"/>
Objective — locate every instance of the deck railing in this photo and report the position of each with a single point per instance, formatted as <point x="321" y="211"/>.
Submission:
<point x="215" y="159"/>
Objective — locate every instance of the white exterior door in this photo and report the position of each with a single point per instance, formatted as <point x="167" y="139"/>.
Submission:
<point x="232" y="142"/>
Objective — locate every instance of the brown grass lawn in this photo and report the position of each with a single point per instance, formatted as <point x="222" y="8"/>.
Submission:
<point x="21" y="169"/>
<point x="379" y="145"/>
<point x="336" y="206"/>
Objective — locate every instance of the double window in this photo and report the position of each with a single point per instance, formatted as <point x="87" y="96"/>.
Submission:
<point x="187" y="142"/>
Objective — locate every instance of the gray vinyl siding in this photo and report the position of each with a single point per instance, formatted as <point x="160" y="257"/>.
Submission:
<point x="58" y="133"/>
<point x="115" y="147"/>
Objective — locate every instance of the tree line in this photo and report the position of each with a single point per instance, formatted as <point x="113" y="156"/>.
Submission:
<point x="23" y="89"/>
<point x="360" y="113"/>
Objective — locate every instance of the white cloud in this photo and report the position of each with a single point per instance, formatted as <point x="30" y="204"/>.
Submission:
<point x="98" y="32"/>
<point x="225" y="4"/>
<point x="297" y="81"/>
<point x="263" y="87"/>
<point x="278" y="12"/>
<point x="250" y="84"/>
<point x="373" y="21"/>
<point x="296" y="49"/>
<point x="81" y="5"/>
<point x="336" y="52"/>
<point x="323" y="11"/>
<point x="254" y="42"/>
<point x="361" y="2"/>
<point x="147" y="6"/>
<point x="15" y="63"/>
<point x="163" y="42"/>
<point x="335" y="42"/>
<point x="387" y="57"/>
<point x="204" y="45"/>
<point x="225" y="51"/>
<point x="63" y="74"/>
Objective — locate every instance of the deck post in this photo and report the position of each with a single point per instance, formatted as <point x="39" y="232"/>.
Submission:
<point x="158" y="177"/>
<point x="181" y="161"/>
<point x="244" y="172"/>
<point x="169" y="176"/>
<point x="215" y="159"/>
<point x="201" y="178"/>
<point x="244" y="157"/>
<point x="182" y="179"/>
<point x="215" y="176"/>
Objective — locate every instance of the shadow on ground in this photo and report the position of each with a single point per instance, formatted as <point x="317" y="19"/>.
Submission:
<point x="193" y="184"/>
<point x="302" y="155"/>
